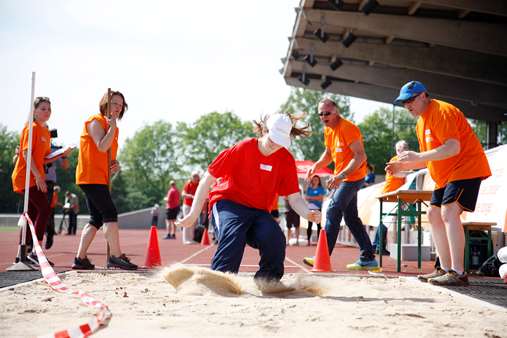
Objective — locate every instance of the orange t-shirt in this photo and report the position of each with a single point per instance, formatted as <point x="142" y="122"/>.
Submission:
<point x="442" y="121"/>
<point x="41" y="146"/>
<point x="338" y="141"/>
<point x="392" y="182"/>
<point x="190" y="188"/>
<point x="92" y="166"/>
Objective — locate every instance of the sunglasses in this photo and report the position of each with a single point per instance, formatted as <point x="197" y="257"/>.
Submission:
<point x="324" y="113"/>
<point x="411" y="99"/>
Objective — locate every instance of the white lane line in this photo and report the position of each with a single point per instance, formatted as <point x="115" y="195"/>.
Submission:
<point x="298" y="265"/>
<point x="196" y="254"/>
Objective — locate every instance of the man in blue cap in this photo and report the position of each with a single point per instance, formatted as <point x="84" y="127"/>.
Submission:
<point x="456" y="162"/>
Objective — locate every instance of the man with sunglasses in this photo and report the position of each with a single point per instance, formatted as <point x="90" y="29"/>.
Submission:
<point x="456" y="162"/>
<point x="344" y="146"/>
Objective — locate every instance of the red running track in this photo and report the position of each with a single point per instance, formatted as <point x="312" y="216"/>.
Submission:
<point x="134" y="244"/>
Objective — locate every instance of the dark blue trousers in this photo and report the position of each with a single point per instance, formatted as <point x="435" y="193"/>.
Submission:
<point x="237" y="225"/>
<point x="344" y="204"/>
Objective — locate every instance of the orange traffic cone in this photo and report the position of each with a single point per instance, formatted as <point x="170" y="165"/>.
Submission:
<point x="205" y="237"/>
<point x="322" y="261"/>
<point x="153" y="253"/>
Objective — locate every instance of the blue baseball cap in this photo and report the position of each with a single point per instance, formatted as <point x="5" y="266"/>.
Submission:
<point x="409" y="90"/>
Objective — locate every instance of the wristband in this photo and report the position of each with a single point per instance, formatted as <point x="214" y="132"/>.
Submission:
<point x="342" y="176"/>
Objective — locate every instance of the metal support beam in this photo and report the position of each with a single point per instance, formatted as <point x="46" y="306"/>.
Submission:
<point x="387" y="95"/>
<point x="441" y="60"/>
<point x="441" y="85"/>
<point x="493" y="134"/>
<point x="474" y="36"/>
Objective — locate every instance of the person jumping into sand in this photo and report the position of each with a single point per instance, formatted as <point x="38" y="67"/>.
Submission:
<point x="251" y="173"/>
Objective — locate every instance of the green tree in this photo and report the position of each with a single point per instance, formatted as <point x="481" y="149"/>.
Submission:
<point x="204" y="139"/>
<point x="149" y="160"/>
<point x="304" y="100"/>
<point x="8" y="199"/>
<point x="380" y="135"/>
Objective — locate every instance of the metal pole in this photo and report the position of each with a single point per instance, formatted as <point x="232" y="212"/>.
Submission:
<point x="21" y="262"/>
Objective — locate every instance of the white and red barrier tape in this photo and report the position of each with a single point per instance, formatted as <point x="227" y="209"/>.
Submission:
<point x="101" y="318"/>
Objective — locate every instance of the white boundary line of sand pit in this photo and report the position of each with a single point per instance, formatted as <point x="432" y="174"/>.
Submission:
<point x="456" y="294"/>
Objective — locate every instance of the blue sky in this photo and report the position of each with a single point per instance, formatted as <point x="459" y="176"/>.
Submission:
<point x="173" y="60"/>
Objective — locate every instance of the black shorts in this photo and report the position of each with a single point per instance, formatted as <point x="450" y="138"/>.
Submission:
<point x="275" y="213"/>
<point x="99" y="202"/>
<point x="172" y="213"/>
<point x="464" y="192"/>
<point x="292" y="219"/>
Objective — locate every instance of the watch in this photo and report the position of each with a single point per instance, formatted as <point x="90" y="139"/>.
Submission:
<point x="342" y="176"/>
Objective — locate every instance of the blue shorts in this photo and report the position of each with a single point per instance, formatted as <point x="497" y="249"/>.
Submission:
<point x="464" y="192"/>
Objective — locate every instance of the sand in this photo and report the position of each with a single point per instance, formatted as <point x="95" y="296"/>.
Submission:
<point x="144" y="304"/>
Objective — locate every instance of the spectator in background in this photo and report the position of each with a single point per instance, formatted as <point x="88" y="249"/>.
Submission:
<point x="50" y="232"/>
<point x="392" y="183"/>
<point x="369" y="179"/>
<point x="63" y="162"/>
<point x="188" y="196"/>
<point x="314" y="196"/>
<point x="154" y="214"/>
<point x="172" y="210"/>
<point x="71" y="208"/>
<point x="292" y="220"/>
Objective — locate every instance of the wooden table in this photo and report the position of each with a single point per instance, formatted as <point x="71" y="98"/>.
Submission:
<point x="403" y="198"/>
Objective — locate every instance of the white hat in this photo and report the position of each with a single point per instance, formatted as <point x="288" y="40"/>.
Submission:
<point x="279" y="127"/>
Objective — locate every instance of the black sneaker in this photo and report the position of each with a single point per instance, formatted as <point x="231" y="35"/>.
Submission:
<point x="32" y="257"/>
<point x="168" y="236"/>
<point x="122" y="262"/>
<point x="82" y="264"/>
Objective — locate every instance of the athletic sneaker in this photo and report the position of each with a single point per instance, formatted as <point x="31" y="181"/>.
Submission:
<point x="363" y="265"/>
<point x="122" y="262"/>
<point x="436" y="273"/>
<point x="168" y="236"/>
<point x="32" y="257"/>
<point x="309" y="261"/>
<point x="82" y="264"/>
<point x="450" y="279"/>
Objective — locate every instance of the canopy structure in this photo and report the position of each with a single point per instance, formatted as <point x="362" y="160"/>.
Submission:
<point x="369" y="48"/>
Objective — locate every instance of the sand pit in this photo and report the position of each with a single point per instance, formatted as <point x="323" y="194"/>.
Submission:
<point x="146" y="305"/>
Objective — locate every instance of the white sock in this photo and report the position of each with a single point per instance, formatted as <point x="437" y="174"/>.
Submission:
<point x="459" y="272"/>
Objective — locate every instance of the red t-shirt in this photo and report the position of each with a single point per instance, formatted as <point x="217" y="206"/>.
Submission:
<point x="189" y="188"/>
<point x="249" y="178"/>
<point x="173" y="198"/>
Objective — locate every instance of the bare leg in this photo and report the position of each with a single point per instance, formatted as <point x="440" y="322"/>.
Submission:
<point x="455" y="234"/>
<point x="168" y="226"/>
<point x="87" y="237"/>
<point x="112" y="235"/>
<point x="440" y="236"/>
<point x="297" y="235"/>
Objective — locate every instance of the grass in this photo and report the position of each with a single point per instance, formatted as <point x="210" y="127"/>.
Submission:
<point x="8" y="228"/>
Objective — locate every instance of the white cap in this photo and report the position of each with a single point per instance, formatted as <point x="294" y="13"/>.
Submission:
<point x="279" y="127"/>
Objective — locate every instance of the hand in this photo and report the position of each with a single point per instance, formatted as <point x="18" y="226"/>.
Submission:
<point x="112" y="121"/>
<point x="392" y="168"/>
<point x="314" y="216"/>
<point x="311" y="172"/>
<point x="115" y="167"/>
<point x="334" y="181"/>
<point x="187" y="221"/>
<point x="409" y="156"/>
<point x="40" y="183"/>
